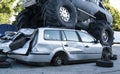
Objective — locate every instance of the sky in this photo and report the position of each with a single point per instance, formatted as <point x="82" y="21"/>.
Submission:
<point x="115" y="3"/>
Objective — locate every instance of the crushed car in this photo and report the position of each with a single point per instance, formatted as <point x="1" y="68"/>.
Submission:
<point x="51" y="45"/>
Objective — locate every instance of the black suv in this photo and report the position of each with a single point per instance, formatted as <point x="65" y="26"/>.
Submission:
<point x="89" y="15"/>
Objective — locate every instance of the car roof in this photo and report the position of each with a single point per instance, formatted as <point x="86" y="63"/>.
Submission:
<point x="55" y="29"/>
<point x="46" y="28"/>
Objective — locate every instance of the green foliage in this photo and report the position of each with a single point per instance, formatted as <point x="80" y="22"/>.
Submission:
<point x="18" y="8"/>
<point x="106" y="1"/>
<point x="6" y="10"/>
<point x="115" y="14"/>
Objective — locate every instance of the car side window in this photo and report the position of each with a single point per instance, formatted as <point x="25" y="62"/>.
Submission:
<point x="71" y="36"/>
<point x="86" y="37"/>
<point x="52" y="35"/>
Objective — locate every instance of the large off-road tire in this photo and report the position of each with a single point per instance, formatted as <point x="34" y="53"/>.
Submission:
<point x="103" y="63"/>
<point x="103" y="32"/>
<point x="106" y="53"/>
<point x="105" y="58"/>
<point x="23" y="19"/>
<point x="60" y="13"/>
<point x="18" y="43"/>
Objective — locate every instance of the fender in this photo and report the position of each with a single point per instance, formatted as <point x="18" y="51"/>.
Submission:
<point x="57" y="51"/>
<point x="102" y="16"/>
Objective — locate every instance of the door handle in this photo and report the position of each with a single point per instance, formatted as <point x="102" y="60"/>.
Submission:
<point x="66" y="45"/>
<point x="87" y="46"/>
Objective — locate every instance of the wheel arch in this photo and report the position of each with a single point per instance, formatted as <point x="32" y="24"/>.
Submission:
<point x="100" y="16"/>
<point x="59" y="53"/>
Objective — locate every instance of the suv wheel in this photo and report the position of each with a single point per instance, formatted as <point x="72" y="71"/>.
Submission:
<point x="103" y="63"/>
<point x="102" y="31"/>
<point x="60" y="13"/>
<point x="105" y="59"/>
<point x="23" y="19"/>
<point x="106" y="53"/>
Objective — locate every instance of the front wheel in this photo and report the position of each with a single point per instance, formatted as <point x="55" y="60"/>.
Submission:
<point x="102" y="31"/>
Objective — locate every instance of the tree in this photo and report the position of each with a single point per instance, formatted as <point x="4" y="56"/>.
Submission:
<point x="115" y="14"/>
<point x="7" y="10"/>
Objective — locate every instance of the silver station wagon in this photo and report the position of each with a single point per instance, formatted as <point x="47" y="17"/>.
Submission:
<point x="52" y="45"/>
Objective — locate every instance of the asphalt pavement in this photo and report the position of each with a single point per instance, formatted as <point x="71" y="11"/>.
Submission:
<point x="84" y="68"/>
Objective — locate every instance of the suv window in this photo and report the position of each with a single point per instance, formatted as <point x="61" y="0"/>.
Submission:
<point x="71" y="36"/>
<point x="86" y="37"/>
<point x="52" y="35"/>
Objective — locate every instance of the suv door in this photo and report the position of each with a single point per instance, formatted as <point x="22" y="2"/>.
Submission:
<point x="92" y="48"/>
<point x="71" y="44"/>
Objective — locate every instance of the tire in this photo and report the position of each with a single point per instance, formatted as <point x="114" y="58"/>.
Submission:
<point x="59" y="59"/>
<point x="106" y="54"/>
<point x="103" y="63"/>
<point x="54" y="14"/>
<point x="5" y="64"/>
<point x="23" y="19"/>
<point x="103" y="32"/>
<point x="18" y="43"/>
<point x="113" y="57"/>
<point x="3" y="58"/>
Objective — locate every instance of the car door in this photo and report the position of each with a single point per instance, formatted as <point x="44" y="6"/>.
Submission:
<point x="92" y="48"/>
<point x="71" y="44"/>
